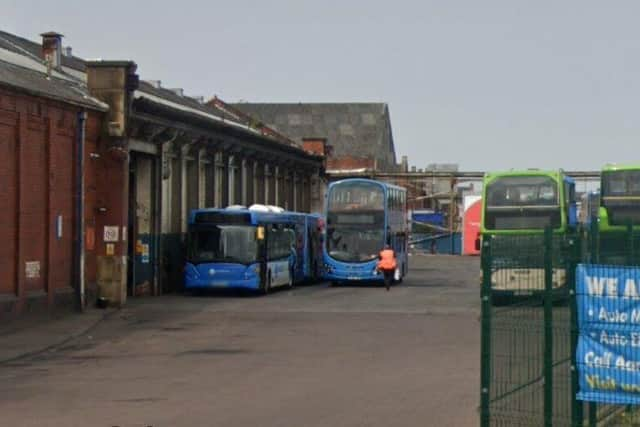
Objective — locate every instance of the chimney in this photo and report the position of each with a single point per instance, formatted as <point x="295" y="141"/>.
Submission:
<point x="68" y="52"/>
<point x="157" y="84"/>
<point x="52" y="49"/>
<point x="405" y="164"/>
<point x="178" y="91"/>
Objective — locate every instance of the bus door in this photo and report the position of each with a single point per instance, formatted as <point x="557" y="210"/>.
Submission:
<point x="280" y="241"/>
<point x="262" y="238"/>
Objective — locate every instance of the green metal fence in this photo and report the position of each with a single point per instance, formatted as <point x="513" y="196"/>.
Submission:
<point x="529" y="327"/>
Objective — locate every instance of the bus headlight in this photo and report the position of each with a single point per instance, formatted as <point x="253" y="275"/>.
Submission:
<point x="253" y="270"/>
<point x="191" y="271"/>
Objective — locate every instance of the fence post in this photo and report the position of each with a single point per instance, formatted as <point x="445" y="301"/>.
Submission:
<point x="630" y="248"/>
<point x="485" y="340"/>
<point x="548" y="327"/>
<point x="575" y="256"/>
<point x="594" y="257"/>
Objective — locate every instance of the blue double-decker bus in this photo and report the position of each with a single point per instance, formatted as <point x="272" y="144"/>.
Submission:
<point x="257" y="248"/>
<point x="362" y="216"/>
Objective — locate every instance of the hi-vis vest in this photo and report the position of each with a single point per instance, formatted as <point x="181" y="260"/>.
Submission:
<point x="387" y="260"/>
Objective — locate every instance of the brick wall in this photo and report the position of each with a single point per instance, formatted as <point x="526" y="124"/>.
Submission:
<point x="350" y="163"/>
<point x="37" y="161"/>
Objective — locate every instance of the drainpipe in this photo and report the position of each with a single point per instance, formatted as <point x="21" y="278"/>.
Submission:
<point x="80" y="255"/>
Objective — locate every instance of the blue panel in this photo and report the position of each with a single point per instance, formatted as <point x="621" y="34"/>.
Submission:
<point x="608" y="353"/>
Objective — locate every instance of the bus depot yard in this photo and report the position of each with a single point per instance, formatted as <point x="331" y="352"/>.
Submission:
<point x="316" y="355"/>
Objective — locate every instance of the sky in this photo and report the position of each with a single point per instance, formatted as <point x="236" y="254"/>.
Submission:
<point x="486" y="84"/>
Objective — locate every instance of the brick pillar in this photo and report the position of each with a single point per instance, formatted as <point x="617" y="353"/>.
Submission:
<point x="113" y="82"/>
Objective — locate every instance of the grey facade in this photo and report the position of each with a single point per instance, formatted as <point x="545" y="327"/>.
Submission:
<point x="359" y="134"/>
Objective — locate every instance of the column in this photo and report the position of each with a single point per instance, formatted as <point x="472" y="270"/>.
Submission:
<point x="244" y="172"/>
<point x="294" y="184"/>
<point x="202" y="178"/>
<point x="219" y="178"/>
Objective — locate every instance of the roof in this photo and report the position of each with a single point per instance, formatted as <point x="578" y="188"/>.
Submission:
<point x="24" y="46"/>
<point x="614" y="168"/>
<point x="37" y="83"/>
<point x="556" y="174"/>
<point x="361" y="130"/>
<point x="22" y="68"/>
<point x="147" y="94"/>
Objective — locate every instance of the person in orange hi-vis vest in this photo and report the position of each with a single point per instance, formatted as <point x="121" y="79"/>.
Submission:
<point x="387" y="265"/>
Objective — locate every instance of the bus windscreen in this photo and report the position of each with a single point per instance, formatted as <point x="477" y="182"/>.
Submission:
<point x="522" y="203"/>
<point x="223" y="243"/>
<point x="621" y="196"/>
<point x="355" y="221"/>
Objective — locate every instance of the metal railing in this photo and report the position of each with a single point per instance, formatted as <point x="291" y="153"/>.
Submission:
<point x="529" y="371"/>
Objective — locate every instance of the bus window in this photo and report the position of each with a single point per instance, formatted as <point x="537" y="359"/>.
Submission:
<point x="223" y="243"/>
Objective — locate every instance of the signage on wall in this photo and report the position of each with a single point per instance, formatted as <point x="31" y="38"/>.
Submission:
<point x="111" y="249"/>
<point x="90" y="238"/>
<point x="32" y="269"/>
<point x="111" y="233"/>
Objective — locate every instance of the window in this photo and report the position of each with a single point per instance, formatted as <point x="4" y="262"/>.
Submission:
<point x="223" y="243"/>
<point x="281" y="241"/>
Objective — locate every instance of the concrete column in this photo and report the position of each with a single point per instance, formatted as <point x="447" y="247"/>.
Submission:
<point x="232" y="175"/>
<point x="202" y="179"/>
<point x="244" y="173"/>
<point x="317" y="193"/>
<point x="267" y="183"/>
<point x="278" y="195"/>
<point x="165" y="208"/>
<point x="219" y="178"/>
<point x="209" y="180"/>
<point x="184" y="200"/>
<point x="287" y="185"/>
<point x="254" y="176"/>
<point x="294" y="184"/>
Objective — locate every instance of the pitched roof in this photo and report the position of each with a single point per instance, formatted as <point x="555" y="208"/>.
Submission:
<point x="353" y="129"/>
<point x="24" y="46"/>
<point x="22" y="70"/>
<point x="22" y="66"/>
<point x="37" y="83"/>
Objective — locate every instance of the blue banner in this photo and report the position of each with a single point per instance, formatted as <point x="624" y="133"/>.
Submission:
<point x="608" y="353"/>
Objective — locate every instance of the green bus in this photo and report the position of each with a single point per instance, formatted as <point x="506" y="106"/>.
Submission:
<point x="619" y="198"/>
<point x="518" y="206"/>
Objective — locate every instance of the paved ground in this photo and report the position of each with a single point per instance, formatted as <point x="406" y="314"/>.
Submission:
<point x="313" y="356"/>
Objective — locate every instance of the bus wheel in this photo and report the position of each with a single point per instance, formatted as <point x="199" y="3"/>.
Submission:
<point x="267" y="284"/>
<point x="290" y="282"/>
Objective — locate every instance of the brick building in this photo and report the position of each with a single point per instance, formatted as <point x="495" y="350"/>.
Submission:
<point x="149" y="155"/>
<point x="48" y="126"/>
